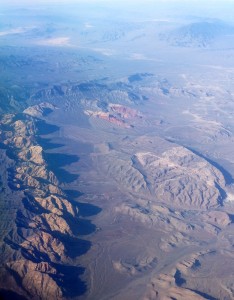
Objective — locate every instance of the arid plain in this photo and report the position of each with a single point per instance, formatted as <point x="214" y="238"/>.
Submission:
<point x="117" y="159"/>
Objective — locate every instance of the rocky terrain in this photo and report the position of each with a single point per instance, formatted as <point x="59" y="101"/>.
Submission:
<point x="164" y="193"/>
<point x="175" y="176"/>
<point x="36" y="261"/>
<point x="116" y="151"/>
<point x="117" y="114"/>
<point x="40" y="109"/>
<point x="176" y="283"/>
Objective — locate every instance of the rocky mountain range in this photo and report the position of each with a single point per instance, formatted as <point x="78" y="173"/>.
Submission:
<point x="116" y="151"/>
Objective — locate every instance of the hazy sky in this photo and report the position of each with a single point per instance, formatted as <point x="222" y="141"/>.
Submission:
<point x="132" y="2"/>
<point x="223" y="9"/>
<point x="35" y="2"/>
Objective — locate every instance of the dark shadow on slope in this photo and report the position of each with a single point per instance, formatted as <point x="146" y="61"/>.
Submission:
<point x="69" y="280"/>
<point x="73" y="193"/>
<point x="85" y="209"/>
<point x="56" y="162"/>
<point x="35" y="255"/>
<point x="18" y="281"/>
<point x="9" y="295"/>
<point x="227" y="176"/>
<point x="88" y="210"/>
<point x="44" y="128"/>
<point x="223" y="194"/>
<point x="10" y="243"/>
<point x="179" y="280"/>
<point x="68" y="277"/>
<point x="231" y="217"/>
<point x="11" y="154"/>
<point x="46" y="144"/>
<point x="81" y="226"/>
<point x="196" y="264"/>
<point x="33" y="206"/>
<point x="204" y="295"/>
<point x="3" y="146"/>
<point x="22" y="220"/>
<point x="76" y="247"/>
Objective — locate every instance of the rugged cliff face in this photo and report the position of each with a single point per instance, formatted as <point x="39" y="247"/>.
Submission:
<point x="36" y="261"/>
<point x="153" y="128"/>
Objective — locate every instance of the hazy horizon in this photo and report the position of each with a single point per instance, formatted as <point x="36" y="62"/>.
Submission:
<point x="116" y="149"/>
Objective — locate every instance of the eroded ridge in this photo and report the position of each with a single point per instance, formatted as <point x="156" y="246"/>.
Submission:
<point x="167" y="173"/>
<point x="37" y="262"/>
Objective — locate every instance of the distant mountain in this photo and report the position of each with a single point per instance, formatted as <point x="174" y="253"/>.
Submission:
<point x="198" y="34"/>
<point x="13" y="98"/>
